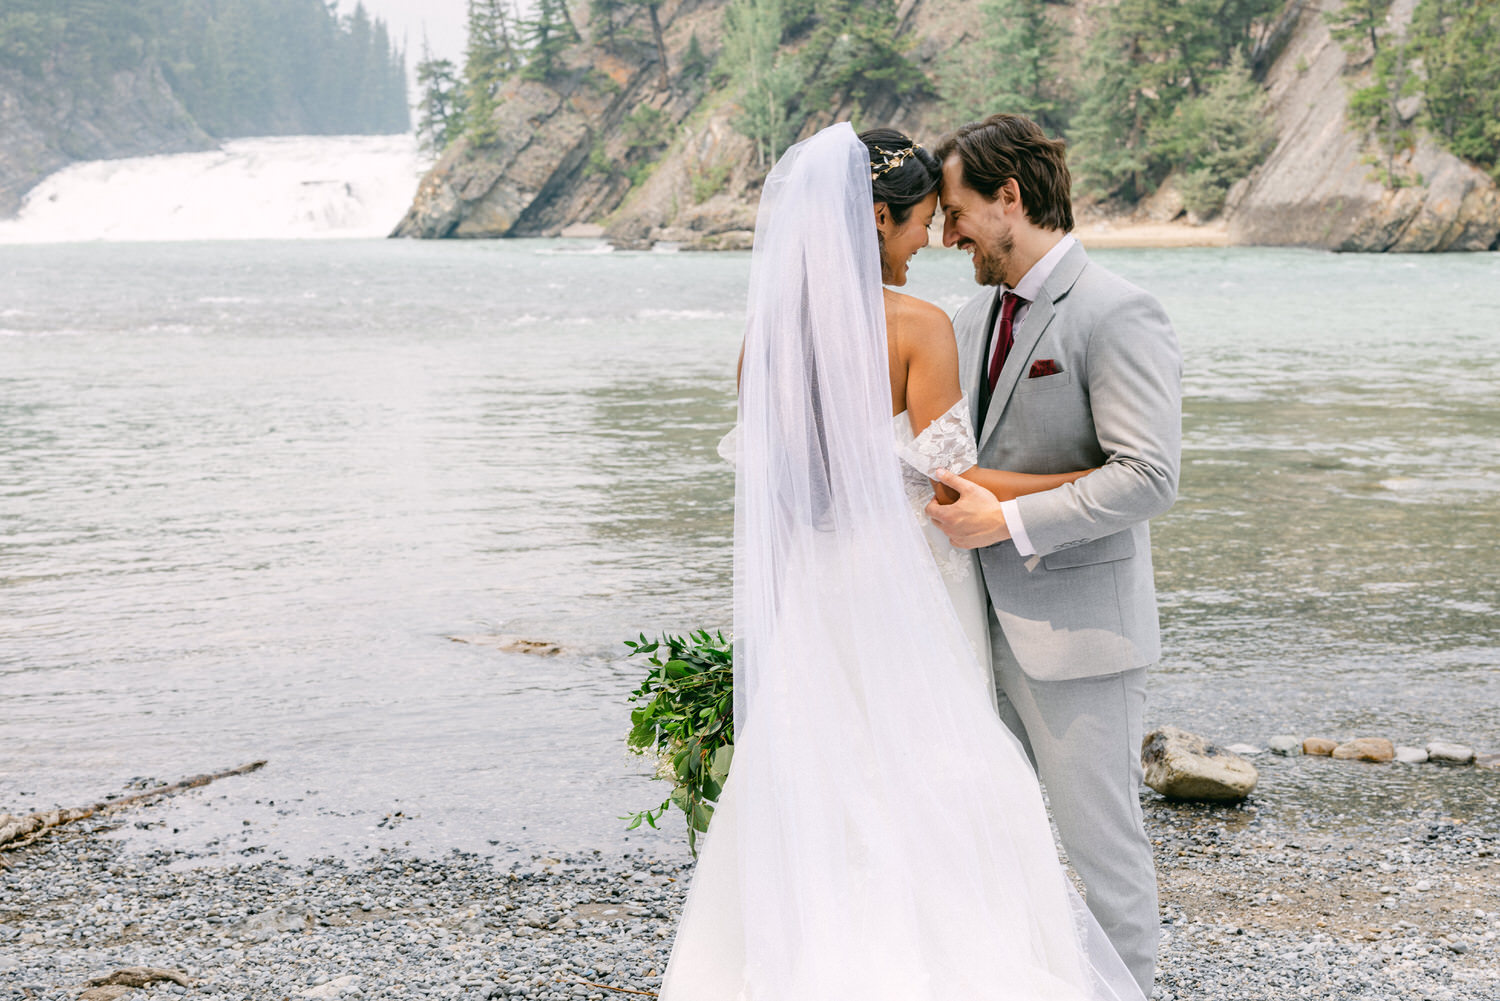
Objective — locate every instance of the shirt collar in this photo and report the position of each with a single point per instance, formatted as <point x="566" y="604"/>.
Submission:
<point x="1031" y="283"/>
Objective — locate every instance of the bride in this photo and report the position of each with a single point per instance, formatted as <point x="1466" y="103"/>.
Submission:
<point x="882" y="836"/>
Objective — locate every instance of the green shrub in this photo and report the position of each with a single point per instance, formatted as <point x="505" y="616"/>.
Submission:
<point x="1217" y="138"/>
<point x="709" y="181"/>
<point x="1459" y="44"/>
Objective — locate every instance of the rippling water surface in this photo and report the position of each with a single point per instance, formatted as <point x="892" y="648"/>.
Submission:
<point x="250" y="493"/>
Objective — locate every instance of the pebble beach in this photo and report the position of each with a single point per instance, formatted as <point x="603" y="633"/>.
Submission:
<point x="1250" y="909"/>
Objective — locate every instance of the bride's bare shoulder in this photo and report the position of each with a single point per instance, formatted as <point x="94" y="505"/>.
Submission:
<point x="917" y="322"/>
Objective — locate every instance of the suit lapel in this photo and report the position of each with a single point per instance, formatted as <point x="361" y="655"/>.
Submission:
<point x="1038" y="317"/>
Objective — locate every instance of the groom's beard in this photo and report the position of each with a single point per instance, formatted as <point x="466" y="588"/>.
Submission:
<point x="992" y="261"/>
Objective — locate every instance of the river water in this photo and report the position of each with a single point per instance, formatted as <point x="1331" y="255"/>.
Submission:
<point x="250" y="494"/>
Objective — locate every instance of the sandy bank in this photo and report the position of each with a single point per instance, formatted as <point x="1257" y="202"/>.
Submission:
<point x="1106" y="234"/>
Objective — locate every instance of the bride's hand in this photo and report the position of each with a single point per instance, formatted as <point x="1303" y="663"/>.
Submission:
<point x="974" y="520"/>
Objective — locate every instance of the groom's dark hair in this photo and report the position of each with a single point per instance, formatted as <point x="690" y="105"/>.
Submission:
<point x="1013" y="146"/>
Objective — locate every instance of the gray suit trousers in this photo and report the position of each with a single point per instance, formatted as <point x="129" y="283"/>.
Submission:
<point x="1083" y="736"/>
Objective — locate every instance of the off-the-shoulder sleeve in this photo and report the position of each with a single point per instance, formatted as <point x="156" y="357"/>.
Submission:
<point x="947" y="443"/>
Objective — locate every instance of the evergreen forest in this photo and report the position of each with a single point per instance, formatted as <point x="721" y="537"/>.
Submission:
<point x="239" y="67"/>
<point x="1151" y="88"/>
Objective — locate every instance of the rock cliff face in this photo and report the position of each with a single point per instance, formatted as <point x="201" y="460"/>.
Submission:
<point x="45" y="126"/>
<point x="543" y="175"/>
<point x="1316" y="189"/>
<point x="550" y="170"/>
<point x="563" y="156"/>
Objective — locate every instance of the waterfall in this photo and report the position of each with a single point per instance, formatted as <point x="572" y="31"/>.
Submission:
<point x="291" y="187"/>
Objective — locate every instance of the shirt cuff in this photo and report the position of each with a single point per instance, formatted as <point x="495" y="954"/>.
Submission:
<point x="1012" y="512"/>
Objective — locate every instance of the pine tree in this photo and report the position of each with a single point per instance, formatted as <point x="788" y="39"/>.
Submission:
<point x="547" y="35"/>
<point x="1008" y="68"/>
<point x="602" y="18"/>
<point x="1458" y="41"/>
<point x="652" y="12"/>
<point x="695" y="62"/>
<point x="854" y="53"/>
<point x="1217" y="137"/>
<point x="764" y="81"/>
<point x="491" y="57"/>
<point x="1358" y="22"/>
<point x="1146" y="60"/>
<point x="440" y="115"/>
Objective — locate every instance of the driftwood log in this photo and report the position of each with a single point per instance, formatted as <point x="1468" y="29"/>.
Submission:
<point x="17" y="832"/>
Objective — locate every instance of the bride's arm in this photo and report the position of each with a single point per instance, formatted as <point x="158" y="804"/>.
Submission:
<point x="925" y="343"/>
<point x="932" y="387"/>
<point x="1006" y="485"/>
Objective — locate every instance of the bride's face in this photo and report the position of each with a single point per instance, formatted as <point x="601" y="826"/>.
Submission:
<point x="899" y="242"/>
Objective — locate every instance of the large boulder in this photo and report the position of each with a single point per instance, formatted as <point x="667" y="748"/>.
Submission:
<point x="1185" y="766"/>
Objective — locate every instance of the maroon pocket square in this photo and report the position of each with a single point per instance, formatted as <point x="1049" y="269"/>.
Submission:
<point x="1042" y="368"/>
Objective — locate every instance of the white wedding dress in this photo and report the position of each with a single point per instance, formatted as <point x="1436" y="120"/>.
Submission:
<point x="881" y="836"/>
<point x="947" y="443"/>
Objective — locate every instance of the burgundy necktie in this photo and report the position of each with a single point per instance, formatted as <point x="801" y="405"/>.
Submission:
<point x="1006" y="335"/>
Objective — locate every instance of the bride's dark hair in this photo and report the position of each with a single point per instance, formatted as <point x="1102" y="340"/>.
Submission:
<point x="906" y="183"/>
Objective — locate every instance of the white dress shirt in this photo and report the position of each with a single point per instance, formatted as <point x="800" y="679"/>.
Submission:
<point x="1027" y="288"/>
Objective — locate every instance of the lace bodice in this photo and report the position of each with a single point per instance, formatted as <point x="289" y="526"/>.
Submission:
<point x="947" y="443"/>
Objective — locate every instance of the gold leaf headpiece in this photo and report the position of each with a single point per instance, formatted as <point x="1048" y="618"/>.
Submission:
<point x="892" y="159"/>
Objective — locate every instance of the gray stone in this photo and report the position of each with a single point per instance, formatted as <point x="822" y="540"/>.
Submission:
<point x="336" y="987"/>
<point x="1285" y="745"/>
<point x="1185" y="766"/>
<point x="1445" y="753"/>
<point x="1411" y="755"/>
<point x="1246" y="749"/>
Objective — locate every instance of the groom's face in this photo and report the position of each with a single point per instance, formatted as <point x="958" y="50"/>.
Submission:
<point x="976" y="225"/>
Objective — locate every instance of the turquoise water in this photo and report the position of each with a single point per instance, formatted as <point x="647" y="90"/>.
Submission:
<point x="250" y="493"/>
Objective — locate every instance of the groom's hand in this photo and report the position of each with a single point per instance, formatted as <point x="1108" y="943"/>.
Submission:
<point x="974" y="520"/>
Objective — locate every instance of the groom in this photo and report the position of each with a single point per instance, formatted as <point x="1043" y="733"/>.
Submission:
<point x="1067" y="366"/>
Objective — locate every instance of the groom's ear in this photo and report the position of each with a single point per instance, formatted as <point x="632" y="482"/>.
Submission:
<point x="1009" y="194"/>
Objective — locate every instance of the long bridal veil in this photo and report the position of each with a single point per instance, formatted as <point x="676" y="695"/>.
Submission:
<point x="881" y="836"/>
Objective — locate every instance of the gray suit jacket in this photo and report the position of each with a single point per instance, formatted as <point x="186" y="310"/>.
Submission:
<point x="1087" y="605"/>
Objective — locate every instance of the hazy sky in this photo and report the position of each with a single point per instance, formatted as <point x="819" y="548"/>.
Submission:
<point x="443" y="21"/>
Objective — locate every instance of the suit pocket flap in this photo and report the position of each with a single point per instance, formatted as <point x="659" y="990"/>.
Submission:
<point x="1041" y="384"/>
<point x="1119" y="546"/>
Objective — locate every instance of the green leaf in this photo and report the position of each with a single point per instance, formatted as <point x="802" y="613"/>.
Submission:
<point x="719" y="768"/>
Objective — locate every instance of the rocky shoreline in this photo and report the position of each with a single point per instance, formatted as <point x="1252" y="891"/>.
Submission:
<point x="1251" y="908"/>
